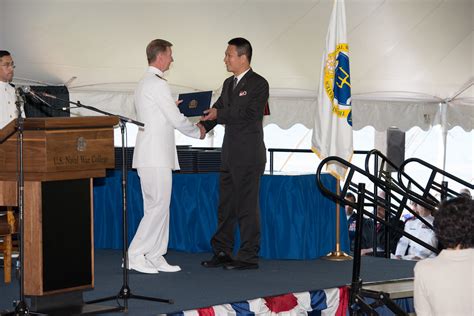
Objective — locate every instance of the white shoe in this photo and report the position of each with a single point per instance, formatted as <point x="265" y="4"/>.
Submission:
<point x="160" y="264"/>
<point x="141" y="264"/>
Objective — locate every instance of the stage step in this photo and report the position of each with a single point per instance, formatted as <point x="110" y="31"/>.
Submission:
<point x="397" y="288"/>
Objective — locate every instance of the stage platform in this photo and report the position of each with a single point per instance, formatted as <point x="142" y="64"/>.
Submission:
<point x="198" y="287"/>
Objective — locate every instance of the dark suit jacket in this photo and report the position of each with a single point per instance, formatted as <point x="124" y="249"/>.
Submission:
<point x="367" y="235"/>
<point x="241" y="111"/>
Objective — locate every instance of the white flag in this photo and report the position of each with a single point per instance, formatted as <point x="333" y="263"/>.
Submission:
<point x="332" y="133"/>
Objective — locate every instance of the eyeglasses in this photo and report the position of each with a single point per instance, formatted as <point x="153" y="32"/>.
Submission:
<point x="8" y="65"/>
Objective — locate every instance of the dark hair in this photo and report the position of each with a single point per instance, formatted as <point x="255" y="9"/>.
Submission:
<point x="349" y="195"/>
<point x="453" y="223"/>
<point x="156" y="46"/>
<point x="243" y="47"/>
<point x="4" y="53"/>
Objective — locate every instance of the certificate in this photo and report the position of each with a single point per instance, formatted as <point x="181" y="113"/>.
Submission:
<point x="195" y="103"/>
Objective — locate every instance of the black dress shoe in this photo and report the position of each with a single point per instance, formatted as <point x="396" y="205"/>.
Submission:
<point x="240" y="265"/>
<point x="218" y="260"/>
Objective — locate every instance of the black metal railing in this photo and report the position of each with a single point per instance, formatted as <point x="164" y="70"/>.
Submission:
<point x="272" y="151"/>
<point x="392" y="209"/>
<point x="395" y="200"/>
<point x="441" y="187"/>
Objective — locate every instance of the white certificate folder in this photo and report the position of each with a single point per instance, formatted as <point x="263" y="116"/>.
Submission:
<point x="195" y="103"/>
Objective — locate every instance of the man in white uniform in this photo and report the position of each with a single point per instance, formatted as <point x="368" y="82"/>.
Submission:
<point x="8" y="110"/>
<point x="155" y="157"/>
<point x="408" y="249"/>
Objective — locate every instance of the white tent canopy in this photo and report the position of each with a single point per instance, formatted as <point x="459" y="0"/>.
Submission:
<point x="424" y="47"/>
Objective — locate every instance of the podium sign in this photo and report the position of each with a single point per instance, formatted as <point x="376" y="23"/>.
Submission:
<point x="60" y="158"/>
<point x="59" y="148"/>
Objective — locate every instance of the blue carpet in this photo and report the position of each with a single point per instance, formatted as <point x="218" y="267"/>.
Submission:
<point x="196" y="286"/>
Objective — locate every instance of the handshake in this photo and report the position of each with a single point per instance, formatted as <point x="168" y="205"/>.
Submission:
<point x="209" y="115"/>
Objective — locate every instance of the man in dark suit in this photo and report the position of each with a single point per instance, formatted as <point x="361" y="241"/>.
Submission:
<point x="367" y="243"/>
<point x="240" y="108"/>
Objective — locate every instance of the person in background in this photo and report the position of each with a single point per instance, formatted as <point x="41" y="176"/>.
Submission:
<point x="8" y="108"/>
<point x="368" y="228"/>
<point x="465" y="192"/>
<point x="351" y="219"/>
<point x="408" y="249"/>
<point x="154" y="158"/>
<point x="240" y="108"/>
<point x="444" y="285"/>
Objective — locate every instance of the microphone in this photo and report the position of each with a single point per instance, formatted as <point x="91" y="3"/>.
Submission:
<point x="44" y="94"/>
<point x="22" y="90"/>
<point x="28" y="90"/>
<point x="20" y="100"/>
<point x="19" y="91"/>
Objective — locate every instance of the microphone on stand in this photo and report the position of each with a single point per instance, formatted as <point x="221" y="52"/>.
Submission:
<point x="19" y="92"/>
<point x="44" y="94"/>
<point x="20" y="100"/>
<point x="47" y="95"/>
<point x="24" y="90"/>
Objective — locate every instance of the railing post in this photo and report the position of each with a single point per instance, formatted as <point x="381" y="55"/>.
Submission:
<point x="271" y="161"/>
<point x="444" y="190"/>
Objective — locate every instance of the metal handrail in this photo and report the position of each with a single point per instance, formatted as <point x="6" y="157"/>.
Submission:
<point x="441" y="188"/>
<point x="375" y="201"/>
<point x="291" y="150"/>
<point x="427" y="202"/>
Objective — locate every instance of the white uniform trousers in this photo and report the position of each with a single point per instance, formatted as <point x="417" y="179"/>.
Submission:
<point x="151" y="238"/>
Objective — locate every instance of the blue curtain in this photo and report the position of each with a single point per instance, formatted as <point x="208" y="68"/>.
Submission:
<point x="297" y="221"/>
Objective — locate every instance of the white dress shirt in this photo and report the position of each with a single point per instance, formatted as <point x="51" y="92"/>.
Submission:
<point x="241" y="75"/>
<point x="156" y="108"/>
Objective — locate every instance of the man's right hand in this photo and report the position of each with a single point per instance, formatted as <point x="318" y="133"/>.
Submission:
<point x="209" y="115"/>
<point x="202" y="130"/>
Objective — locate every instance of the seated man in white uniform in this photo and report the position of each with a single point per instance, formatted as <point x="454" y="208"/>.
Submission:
<point x="408" y="249"/>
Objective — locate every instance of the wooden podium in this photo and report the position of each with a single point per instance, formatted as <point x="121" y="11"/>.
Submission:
<point x="60" y="158"/>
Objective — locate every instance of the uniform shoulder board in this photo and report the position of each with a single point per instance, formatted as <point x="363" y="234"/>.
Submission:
<point x="160" y="77"/>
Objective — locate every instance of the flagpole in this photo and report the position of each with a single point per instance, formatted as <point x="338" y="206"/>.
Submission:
<point x="332" y="132"/>
<point x="338" y="255"/>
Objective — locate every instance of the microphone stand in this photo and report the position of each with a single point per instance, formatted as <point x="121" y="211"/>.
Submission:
<point x="125" y="293"/>
<point x="21" y="307"/>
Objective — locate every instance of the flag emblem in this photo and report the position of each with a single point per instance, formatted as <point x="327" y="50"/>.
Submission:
<point x="337" y="81"/>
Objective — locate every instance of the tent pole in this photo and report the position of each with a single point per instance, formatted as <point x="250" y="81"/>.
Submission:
<point x="444" y="128"/>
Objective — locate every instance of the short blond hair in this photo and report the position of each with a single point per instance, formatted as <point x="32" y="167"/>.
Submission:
<point x="155" y="47"/>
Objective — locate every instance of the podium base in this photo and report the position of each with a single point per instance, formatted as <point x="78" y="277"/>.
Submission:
<point x="67" y="304"/>
<point x="337" y="256"/>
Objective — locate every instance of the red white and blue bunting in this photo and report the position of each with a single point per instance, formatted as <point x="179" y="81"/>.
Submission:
<point x="326" y="302"/>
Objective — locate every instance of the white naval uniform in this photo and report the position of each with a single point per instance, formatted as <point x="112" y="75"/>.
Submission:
<point x="8" y="111"/>
<point x="419" y="230"/>
<point x="155" y="157"/>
